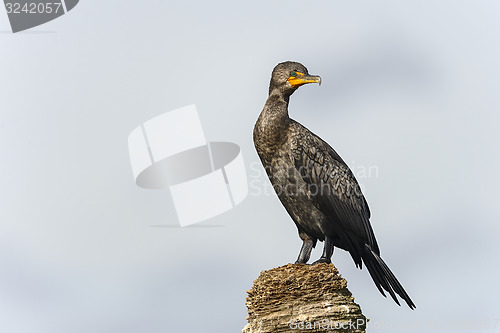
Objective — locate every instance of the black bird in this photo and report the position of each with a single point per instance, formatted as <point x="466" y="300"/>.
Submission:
<point x="315" y="185"/>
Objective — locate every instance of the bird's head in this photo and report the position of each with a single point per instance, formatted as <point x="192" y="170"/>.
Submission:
<point x="288" y="76"/>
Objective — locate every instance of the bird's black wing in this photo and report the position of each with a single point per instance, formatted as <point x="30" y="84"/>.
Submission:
<point x="335" y="191"/>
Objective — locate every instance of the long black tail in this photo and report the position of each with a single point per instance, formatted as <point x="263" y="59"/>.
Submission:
<point x="383" y="277"/>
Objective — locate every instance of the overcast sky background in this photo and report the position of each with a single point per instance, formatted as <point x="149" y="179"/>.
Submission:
<point x="410" y="93"/>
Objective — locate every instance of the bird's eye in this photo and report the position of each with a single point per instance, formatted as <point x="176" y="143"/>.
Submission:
<point x="294" y="74"/>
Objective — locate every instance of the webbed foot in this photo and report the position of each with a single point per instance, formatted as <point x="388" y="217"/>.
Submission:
<point x="322" y="260"/>
<point x="298" y="262"/>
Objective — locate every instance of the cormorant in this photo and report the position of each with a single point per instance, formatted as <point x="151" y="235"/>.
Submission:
<point x="314" y="184"/>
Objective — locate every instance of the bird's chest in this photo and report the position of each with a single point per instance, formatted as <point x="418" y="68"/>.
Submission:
<point x="294" y="193"/>
<point x="284" y="176"/>
<point x="277" y="158"/>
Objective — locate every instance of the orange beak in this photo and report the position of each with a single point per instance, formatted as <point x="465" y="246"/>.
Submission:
<point x="301" y="78"/>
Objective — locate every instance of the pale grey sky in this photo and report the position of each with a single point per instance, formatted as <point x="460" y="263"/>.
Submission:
<point x="409" y="89"/>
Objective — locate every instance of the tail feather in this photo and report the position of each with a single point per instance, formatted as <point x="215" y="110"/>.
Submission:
<point x="383" y="278"/>
<point x="379" y="280"/>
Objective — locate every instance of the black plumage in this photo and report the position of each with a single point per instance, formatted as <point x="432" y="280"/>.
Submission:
<point x="315" y="185"/>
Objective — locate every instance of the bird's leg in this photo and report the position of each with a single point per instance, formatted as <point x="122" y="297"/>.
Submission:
<point x="326" y="257"/>
<point x="305" y="251"/>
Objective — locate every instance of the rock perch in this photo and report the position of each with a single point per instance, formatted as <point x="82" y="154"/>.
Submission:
<point x="302" y="298"/>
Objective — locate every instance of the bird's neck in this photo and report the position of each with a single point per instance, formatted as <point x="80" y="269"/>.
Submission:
<point x="271" y="129"/>
<point x="276" y="108"/>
